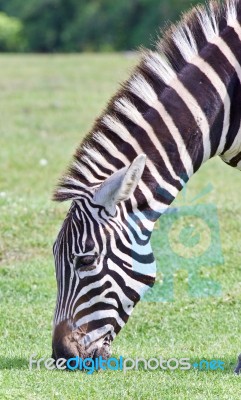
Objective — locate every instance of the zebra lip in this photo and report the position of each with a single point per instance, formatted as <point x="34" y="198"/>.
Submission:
<point x="103" y="351"/>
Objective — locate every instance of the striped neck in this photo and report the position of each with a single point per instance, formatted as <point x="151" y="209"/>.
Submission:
<point x="175" y="108"/>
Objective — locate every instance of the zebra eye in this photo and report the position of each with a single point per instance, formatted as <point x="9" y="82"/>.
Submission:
<point x="84" y="262"/>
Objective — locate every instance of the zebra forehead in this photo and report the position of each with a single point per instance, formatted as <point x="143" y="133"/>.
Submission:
<point x="88" y="219"/>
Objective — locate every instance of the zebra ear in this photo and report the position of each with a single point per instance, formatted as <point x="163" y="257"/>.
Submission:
<point x="120" y="185"/>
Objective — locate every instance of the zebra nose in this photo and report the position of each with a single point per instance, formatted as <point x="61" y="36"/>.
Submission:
<point x="63" y="344"/>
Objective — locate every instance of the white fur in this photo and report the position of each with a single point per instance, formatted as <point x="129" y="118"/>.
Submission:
<point x="141" y="88"/>
<point x="185" y="42"/>
<point x="160" y="66"/>
<point x="208" y="23"/>
<point x="231" y="11"/>
<point x="116" y="126"/>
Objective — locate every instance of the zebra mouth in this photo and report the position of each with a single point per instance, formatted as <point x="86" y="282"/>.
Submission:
<point x="105" y="350"/>
<point x="102" y="350"/>
<point x="69" y="343"/>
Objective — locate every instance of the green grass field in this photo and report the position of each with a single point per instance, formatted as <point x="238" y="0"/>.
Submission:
<point x="47" y="105"/>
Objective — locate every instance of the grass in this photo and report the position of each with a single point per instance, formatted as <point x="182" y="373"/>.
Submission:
<point x="47" y="105"/>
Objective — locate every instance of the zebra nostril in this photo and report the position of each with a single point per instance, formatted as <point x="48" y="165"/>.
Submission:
<point x="107" y="340"/>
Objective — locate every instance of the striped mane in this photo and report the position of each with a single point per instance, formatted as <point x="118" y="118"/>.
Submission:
<point x="101" y="152"/>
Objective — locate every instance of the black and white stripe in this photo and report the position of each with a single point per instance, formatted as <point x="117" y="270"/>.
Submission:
<point x="180" y="107"/>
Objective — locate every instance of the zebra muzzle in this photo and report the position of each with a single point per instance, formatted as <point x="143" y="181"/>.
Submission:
<point x="69" y="341"/>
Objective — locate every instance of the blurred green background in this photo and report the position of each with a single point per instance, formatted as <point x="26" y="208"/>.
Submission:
<point x="84" y="25"/>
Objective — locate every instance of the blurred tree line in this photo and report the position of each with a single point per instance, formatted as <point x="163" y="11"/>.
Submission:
<point x="84" y="25"/>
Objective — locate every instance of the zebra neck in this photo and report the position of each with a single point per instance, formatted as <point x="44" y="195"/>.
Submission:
<point x="193" y="119"/>
<point x="180" y="107"/>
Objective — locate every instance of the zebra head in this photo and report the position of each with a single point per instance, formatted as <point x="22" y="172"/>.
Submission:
<point x="104" y="264"/>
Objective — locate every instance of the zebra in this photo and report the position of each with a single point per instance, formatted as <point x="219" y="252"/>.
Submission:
<point x="179" y="108"/>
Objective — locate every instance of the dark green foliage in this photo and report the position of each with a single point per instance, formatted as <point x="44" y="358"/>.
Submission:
<point x="102" y="25"/>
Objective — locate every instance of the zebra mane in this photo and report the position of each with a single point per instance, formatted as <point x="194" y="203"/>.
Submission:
<point x="98" y="156"/>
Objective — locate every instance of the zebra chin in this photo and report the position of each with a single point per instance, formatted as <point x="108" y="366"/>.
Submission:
<point x="70" y="341"/>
